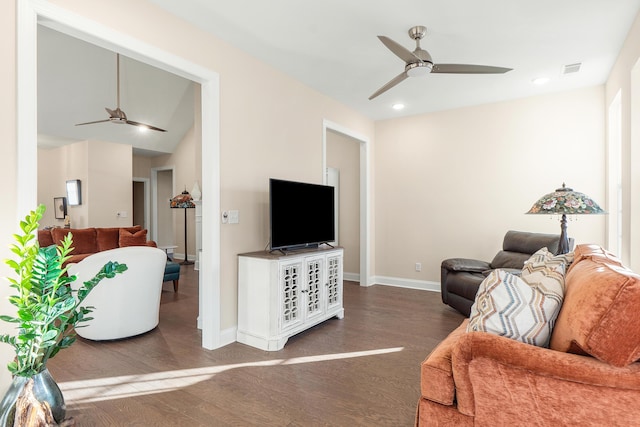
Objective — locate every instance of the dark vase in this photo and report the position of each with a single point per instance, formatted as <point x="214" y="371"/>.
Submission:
<point x="45" y="389"/>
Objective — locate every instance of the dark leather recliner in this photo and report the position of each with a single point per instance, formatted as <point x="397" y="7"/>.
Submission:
<point x="461" y="277"/>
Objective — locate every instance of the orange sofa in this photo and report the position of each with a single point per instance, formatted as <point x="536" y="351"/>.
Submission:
<point x="589" y="375"/>
<point x="87" y="241"/>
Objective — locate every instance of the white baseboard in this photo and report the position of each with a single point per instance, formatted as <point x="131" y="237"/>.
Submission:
<point x="352" y="277"/>
<point x="181" y="256"/>
<point x="407" y="283"/>
<point x="228" y="336"/>
<point x="397" y="282"/>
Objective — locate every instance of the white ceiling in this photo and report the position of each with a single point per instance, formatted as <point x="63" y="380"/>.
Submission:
<point x="77" y="80"/>
<point x="332" y="46"/>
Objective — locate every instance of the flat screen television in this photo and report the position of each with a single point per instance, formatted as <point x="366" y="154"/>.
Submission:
<point x="300" y="214"/>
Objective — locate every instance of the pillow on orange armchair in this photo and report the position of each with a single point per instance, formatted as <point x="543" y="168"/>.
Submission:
<point x="128" y="238"/>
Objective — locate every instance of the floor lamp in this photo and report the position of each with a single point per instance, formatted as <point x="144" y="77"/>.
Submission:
<point x="183" y="201"/>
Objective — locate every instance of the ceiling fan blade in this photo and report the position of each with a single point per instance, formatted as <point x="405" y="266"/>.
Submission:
<point x="397" y="79"/>
<point x="468" y="69"/>
<point x="90" y="123"/>
<point x="401" y="52"/>
<point x="144" y="125"/>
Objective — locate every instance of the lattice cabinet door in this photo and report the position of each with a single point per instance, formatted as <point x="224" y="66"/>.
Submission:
<point x="291" y="284"/>
<point x="314" y="286"/>
<point x="334" y="281"/>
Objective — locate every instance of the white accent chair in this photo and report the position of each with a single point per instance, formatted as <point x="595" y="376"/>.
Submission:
<point x="128" y="304"/>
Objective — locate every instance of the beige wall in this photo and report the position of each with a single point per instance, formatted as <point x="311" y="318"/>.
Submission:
<point x="166" y="225"/>
<point x="51" y="183"/>
<point x="343" y="153"/>
<point x="104" y="170"/>
<point x="74" y="161"/>
<point x="141" y="167"/>
<point x="620" y="80"/>
<point x="109" y="187"/>
<point x="450" y="184"/>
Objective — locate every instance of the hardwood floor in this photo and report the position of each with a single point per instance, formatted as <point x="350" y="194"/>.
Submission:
<point x="361" y="370"/>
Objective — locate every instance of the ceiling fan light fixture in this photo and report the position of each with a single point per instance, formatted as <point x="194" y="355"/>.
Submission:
<point x="420" y="63"/>
<point x="118" y="116"/>
<point x="417" y="69"/>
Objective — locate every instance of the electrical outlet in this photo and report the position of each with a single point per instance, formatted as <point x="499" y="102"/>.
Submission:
<point x="418" y="266"/>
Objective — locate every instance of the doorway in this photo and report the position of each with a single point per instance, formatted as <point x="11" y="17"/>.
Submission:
<point x="364" y="275"/>
<point x="32" y="12"/>
<point x="141" y="202"/>
<point x="344" y="169"/>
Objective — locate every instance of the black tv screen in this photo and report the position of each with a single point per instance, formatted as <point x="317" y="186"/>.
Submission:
<point x="301" y="214"/>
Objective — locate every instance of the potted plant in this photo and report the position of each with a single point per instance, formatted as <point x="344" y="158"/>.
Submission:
<point x="48" y="311"/>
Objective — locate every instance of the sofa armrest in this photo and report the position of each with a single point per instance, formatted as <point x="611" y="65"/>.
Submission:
<point x="465" y="264"/>
<point x="492" y="373"/>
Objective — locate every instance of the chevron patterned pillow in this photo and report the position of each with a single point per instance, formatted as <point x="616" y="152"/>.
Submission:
<point x="522" y="308"/>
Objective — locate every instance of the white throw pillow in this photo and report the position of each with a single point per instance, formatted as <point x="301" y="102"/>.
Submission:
<point x="523" y="307"/>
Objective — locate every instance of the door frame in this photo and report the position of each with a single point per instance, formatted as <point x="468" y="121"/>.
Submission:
<point x="365" y="203"/>
<point x="29" y="12"/>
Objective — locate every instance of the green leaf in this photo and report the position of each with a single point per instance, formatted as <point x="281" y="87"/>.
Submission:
<point x="25" y="315"/>
<point x="51" y="334"/>
<point x="7" y="339"/>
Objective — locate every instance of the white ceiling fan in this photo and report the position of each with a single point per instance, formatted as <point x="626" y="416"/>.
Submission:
<point x="419" y="62"/>
<point x="118" y="116"/>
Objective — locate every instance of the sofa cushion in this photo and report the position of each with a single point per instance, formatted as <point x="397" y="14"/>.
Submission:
<point x="600" y="312"/>
<point x="128" y="238"/>
<point x="597" y="253"/>
<point x="436" y="377"/>
<point x="84" y="239"/>
<point x="109" y="238"/>
<point x="44" y="238"/>
<point x="522" y="308"/>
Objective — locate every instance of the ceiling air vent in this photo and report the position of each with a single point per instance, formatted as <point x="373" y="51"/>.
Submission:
<point x="572" y="68"/>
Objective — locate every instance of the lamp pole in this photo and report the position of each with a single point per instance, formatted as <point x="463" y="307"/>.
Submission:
<point x="563" y="247"/>
<point x="186" y="256"/>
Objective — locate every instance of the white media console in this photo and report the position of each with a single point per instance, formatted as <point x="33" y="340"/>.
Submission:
<point x="281" y="295"/>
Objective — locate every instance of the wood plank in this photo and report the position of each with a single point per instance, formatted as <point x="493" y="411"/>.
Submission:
<point x="361" y="370"/>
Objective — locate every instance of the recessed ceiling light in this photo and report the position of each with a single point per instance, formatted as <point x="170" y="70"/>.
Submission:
<point x="397" y="106"/>
<point x="540" y="80"/>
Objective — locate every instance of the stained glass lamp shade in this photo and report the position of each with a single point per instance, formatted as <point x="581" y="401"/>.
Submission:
<point x="564" y="201"/>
